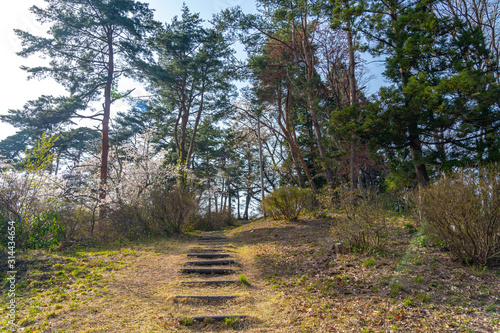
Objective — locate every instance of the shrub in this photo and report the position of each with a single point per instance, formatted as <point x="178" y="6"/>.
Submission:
<point x="369" y="263"/>
<point x="232" y="321"/>
<point x="410" y="228"/>
<point x="408" y="301"/>
<point x="187" y="321"/>
<point x="172" y="208"/>
<point x="45" y="231"/>
<point x="425" y="298"/>
<point x="212" y="221"/>
<point x="162" y="211"/>
<point x="42" y="231"/>
<point x="127" y="221"/>
<point x="362" y="223"/>
<point x="287" y="202"/>
<point x="76" y="221"/>
<point x="463" y="213"/>
<point x="29" y="198"/>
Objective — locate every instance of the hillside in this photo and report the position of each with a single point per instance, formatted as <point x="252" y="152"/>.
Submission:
<point x="297" y="283"/>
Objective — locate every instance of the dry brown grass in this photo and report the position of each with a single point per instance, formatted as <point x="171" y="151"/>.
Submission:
<point x="407" y="288"/>
<point x="297" y="284"/>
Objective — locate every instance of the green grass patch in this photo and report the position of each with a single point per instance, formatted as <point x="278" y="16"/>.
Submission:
<point x="243" y="279"/>
<point x="369" y="263"/>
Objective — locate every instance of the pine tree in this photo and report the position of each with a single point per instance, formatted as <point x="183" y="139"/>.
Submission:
<point x="89" y="44"/>
<point x="191" y="77"/>
<point x="440" y="100"/>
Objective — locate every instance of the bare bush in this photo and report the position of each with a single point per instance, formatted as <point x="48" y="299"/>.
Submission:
<point x="172" y="208"/>
<point x="212" y="221"/>
<point x="362" y="224"/>
<point x="76" y="221"/>
<point x="463" y="213"/>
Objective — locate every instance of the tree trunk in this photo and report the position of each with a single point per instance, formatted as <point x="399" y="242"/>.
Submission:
<point x="289" y="131"/>
<point x="238" y="200"/>
<point x="248" y="188"/>
<point x="196" y="123"/>
<point x="209" y="199"/>
<point x="215" y="203"/>
<point x="319" y="138"/>
<point x="261" y="167"/>
<point x="286" y="132"/>
<point x="222" y="195"/>
<point x="305" y="167"/>
<point x="229" y="195"/>
<point x="353" y="100"/>
<point x="247" y="204"/>
<point x="420" y="169"/>
<point x="226" y="196"/>
<point x="105" y="130"/>
<point x="296" y="166"/>
<point x="57" y="163"/>
<point x="208" y="184"/>
<point x="184" y="123"/>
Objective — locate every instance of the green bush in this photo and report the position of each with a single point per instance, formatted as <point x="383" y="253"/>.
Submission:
<point x="287" y="202"/>
<point x="45" y="231"/>
<point x="462" y="211"/>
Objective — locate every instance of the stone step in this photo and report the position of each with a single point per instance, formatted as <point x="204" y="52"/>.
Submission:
<point x="213" y="318"/>
<point x="219" y="240"/>
<point x="210" y="298"/>
<point x="211" y="262"/>
<point x="211" y="282"/>
<point x="219" y="271"/>
<point x="204" y="238"/>
<point x="209" y="255"/>
<point x="201" y="250"/>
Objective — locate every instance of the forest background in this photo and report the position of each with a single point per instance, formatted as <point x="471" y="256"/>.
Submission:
<point x="304" y="134"/>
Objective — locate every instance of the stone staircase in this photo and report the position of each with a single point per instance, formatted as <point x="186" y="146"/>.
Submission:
<point x="207" y="263"/>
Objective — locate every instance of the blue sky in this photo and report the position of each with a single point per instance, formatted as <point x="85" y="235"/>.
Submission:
<point x="14" y="87"/>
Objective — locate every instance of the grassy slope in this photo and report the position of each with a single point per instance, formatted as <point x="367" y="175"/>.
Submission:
<point x="298" y="284"/>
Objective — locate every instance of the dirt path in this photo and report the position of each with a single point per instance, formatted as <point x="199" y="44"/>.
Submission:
<point x="296" y="285"/>
<point x="140" y="296"/>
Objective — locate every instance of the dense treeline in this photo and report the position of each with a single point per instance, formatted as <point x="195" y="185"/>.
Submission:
<point x="187" y="155"/>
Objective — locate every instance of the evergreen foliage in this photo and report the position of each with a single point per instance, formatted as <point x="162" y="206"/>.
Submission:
<point x="191" y="79"/>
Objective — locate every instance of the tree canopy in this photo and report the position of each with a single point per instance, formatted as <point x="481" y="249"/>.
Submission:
<point x="305" y="107"/>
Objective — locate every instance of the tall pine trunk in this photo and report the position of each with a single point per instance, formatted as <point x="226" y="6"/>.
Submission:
<point x="352" y="101"/>
<point x="261" y="167"/>
<point x="105" y="131"/>
<point x="238" y="200"/>
<point x="286" y="132"/>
